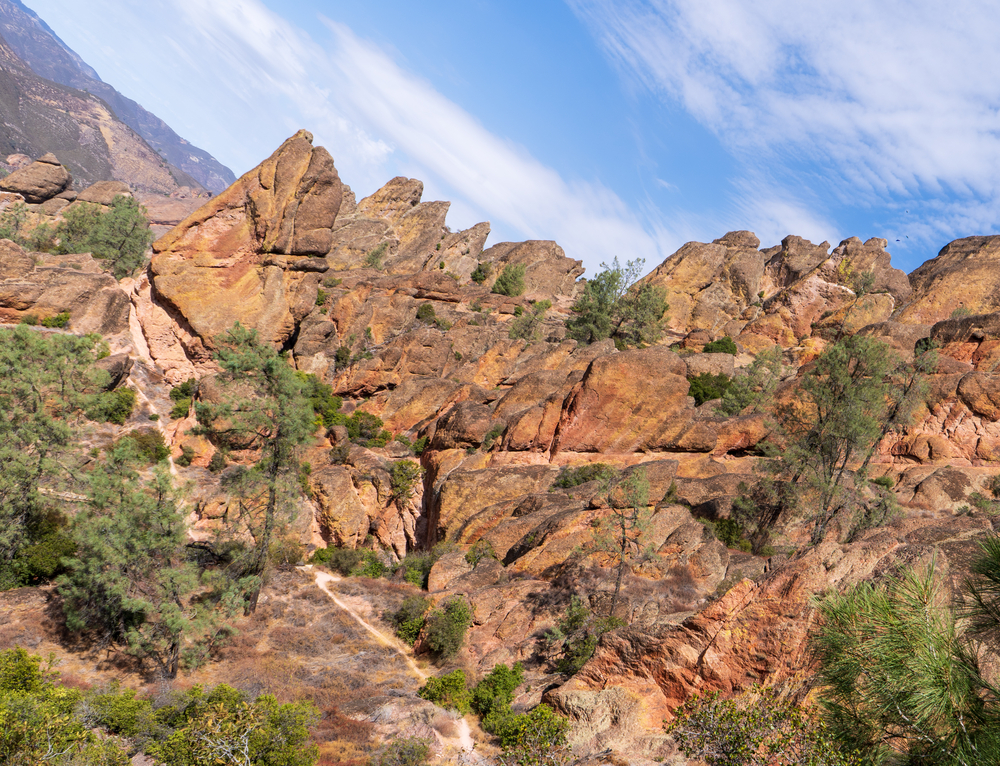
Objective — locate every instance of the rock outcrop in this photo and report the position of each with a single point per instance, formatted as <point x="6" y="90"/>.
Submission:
<point x="40" y="181"/>
<point x="40" y="286"/>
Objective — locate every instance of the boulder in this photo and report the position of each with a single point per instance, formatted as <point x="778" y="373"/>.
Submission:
<point x="39" y="181"/>
<point x="104" y="192"/>
<point x="55" y="284"/>
<point x="628" y="402"/>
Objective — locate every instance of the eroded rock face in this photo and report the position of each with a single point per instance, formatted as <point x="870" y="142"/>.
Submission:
<point x="44" y="285"/>
<point x="214" y="268"/>
<point x="964" y="276"/>
<point x="39" y="181"/>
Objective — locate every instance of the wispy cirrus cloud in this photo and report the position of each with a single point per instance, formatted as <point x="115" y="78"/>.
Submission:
<point x="882" y="101"/>
<point x="252" y="73"/>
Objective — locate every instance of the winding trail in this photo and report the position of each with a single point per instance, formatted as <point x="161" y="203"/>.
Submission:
<point x="323" y="580"/>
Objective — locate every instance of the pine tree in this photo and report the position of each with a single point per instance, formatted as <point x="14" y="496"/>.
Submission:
<point x="264" y="410"/>
<point x="44" y="382"/>
<point x="130" y="581"/>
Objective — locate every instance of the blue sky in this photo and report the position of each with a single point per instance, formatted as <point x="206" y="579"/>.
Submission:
<point x="615" y="127"/>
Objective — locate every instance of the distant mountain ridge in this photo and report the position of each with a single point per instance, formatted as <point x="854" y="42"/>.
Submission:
<point x="34" y="42"/>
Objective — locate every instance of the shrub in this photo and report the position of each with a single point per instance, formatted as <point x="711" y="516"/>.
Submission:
<point x="491" y="436"/>
<point x="757" y="730"/>
<point x="573" y="476"/>
<point x="118" y="235"/>
<point x="884" y="481"/>
<point x="186" y="457"/>
<point x="482" y="273"/>
<point x="447" y="625"/>
<point x="408" y="620"/>
<point x="496" y="691"/>
<point x="218" y="462"/>
<point x="527" y="324"/>
<point x="321" y="296"/>
<point x="371" y="565"/>
<point x="481" y="550"/>
<point x="321" y="399"/>
<point x="416" y="568"/>
<point x="403" y="477"/>
<point x="426" y="313"/>
<point x="59" y="320"/>
<point x="724" y="345"/>
<point x="373" y="258"/>
<point x="118" y="711"/>
<point x="511" y="280"/>
<point x="408" y="751"/>
<point x="180" y="409"/>
<point x="331" y="282"/>
<point x="614" y="305"/>
<point x="729" y="533"/>
<point x="449" y="691"/>
<point x="708" y="387"/>
<point x="149" y="444"/>
<point x="366" y="429"/>
<point x="42" y="561"/>
<point x="112" y="406"/>
<point x="419" y="445"/>
<point x="535" y="737"/>
<point x="341" y="560"/>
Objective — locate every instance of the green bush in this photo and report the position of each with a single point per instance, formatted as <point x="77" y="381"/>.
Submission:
<point x="341" y="560"/>
<point x="218" y="462"/>
<point x="118" y="711"/>
<point x="371" y="565"/>
<point x="408" y="620"/>
<point x="118" y="235"/>
<point x="366" y="429"/>
<point x="186" y="457"/>
<point x="511" y="280"/>
<point x="482" y="273"/>
<point x="449" y="691"/>
<point x="729" y="533"/>
<point x="724" y="345"/>
<point x="112" y="406"/>
<point x="149" y="444"/>
<point x="416" y="568"/>
<point x="885" y="482"/>
<point x="482" y="549"/>
<point x="408" y="751"/>
<point x="526" y="326"/>
<point x="343" y="356"/>
<point x="419" y="445"/>
<point x="321" y="399"/>
<point x="446" y="627"/>
<point x="403" y="476"/>
<point x="496" y="691"/>
<point x="59" y="320"/>
<point x="491" y="436"/>
<point x="573" y="476"/>
<point x="426" y="313"/>
<point x="708" y="387"/>
<point x="373" y="258"/>
<point x="535" y="737"/>
<point x="42" y="561"/>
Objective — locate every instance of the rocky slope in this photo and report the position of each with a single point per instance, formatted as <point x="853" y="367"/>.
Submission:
<point x="338" y="283"/>
<point x="37" y="45"/>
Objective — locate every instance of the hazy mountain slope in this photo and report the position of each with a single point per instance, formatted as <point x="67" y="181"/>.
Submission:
<point x="39" y="116"/>
<point x="49" y="57"/>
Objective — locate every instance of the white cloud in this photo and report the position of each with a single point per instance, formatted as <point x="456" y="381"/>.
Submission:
<point x="246" y="69"/>
<point x="888" y="99"/>
<point x="354" y="90"/>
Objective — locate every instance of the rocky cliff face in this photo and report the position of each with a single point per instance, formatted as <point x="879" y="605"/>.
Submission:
<point x="376" y="298"/>
<point x="37" y="45"/>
